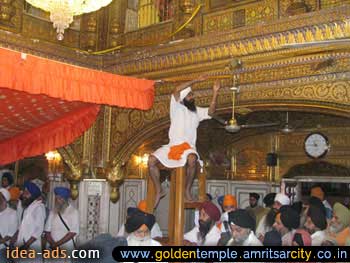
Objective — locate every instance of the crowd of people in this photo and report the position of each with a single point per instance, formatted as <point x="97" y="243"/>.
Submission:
<point x="27" y="223"/>
<point x="313" y="222"/>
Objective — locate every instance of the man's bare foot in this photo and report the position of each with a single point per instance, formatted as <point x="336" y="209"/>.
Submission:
<point x="159" y="196"/>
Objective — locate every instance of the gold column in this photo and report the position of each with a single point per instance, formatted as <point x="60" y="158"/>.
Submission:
<point x="179" y="215"/>
<point x="88" y="31"/>
<point x="147" y="13"/>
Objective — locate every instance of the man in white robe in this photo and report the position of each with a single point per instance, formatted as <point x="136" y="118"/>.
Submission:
<point x="8" y="219"/>
<point x="266" y="222"/>
<point x="62" y="226"/>
<point x="207" y="233"/>
<point x="142" y="206"/>
<point x="242" y="226"/>
<point x="28" y="236"/>
<point x="185" y="117"/>
<point x="286" y="222"/>
<point x="316" y="224"/>
<point x="138" y="227"/>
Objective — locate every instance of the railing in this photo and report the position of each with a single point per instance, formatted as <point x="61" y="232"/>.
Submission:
<point x="154" y="11"/>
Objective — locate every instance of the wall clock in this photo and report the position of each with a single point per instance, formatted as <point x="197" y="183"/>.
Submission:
<point x="316" y="145"/>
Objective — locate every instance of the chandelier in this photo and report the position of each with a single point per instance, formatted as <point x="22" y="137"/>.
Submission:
<point x="63" y="11"/>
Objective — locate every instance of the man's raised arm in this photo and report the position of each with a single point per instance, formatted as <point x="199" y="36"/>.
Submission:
<point x="182" y="86"/>
<point x="212" y="107"/>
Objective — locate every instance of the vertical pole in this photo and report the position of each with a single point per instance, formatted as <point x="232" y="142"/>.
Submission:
<point x="179" y="207"/>
<point x="150" y="195"/>
<point x="16" y="171"/>
<point x="172" y="211"/>
<point x="202" y="186"/>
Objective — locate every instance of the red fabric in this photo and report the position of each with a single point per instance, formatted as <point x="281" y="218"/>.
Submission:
<point x="58" y="80"/>
<point x="46" y="104"/>
<point x="34" y="124"/>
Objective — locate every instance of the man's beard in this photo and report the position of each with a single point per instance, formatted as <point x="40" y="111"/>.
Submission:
<point x="204" y="227"/>
<point x="270" y="217"/>
<point x="238" y="241"/>
<point x="190" y="105"/>
<point x="336" y="228"/>
<point x="59" y="208"/>
<point x="27" y="201"/>
<point x="139" y="241"/>
<point x="254" y="205"/>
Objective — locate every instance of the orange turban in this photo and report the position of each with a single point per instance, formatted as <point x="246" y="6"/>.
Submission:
<point x="15" y="193"/>
<point x="317" y="192"/>
<point x="230" y="200"/>
<point x="142" y="206"/>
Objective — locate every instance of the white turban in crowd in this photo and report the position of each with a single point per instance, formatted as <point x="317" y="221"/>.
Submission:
<point x="184" y="93"/>
<point x="282" y="199"/>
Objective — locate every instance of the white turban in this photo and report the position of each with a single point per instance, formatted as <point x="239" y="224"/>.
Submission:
<point x="5" y="193"/>
<point x="184" y="93"/>
<point x="39" y="183"/>
<point x="282" y="199"/>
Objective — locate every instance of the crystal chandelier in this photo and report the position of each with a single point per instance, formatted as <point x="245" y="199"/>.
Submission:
<point x="63" y="11"/>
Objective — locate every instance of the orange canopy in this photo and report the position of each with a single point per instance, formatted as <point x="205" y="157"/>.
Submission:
<point x="45" y="104"/>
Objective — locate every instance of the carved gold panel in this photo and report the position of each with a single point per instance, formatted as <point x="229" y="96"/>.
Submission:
<point x="35" y="28"/>
<point x="149" y="35"/>
<point x="284" y="5"/>
<point x="330" y="91"/>
<point x="223" y="20"/>
<point x="333" y="3"/>
<point x="11" y="15"/>
<point x="263" y="11"/>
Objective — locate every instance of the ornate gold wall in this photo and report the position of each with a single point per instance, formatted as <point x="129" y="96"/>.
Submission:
<point x="314" y="79"/>
<point x="250" y="146"/>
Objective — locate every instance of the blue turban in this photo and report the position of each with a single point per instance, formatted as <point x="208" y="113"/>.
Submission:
<point x="9" y="177"/>
<point x="63" y="192"/>
<point x="221" y="199"/>
<point x="33" y="189"/>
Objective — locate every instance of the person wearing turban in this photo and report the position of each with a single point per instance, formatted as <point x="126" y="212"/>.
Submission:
<point x="339" y="227"/>
<point x="275" y="202"/>
<point x="242" y="225"/>
<point x="254" y="208"/>
<point x="185" y="117"/>
<point x="138" y="226"/>
<point x="62" y="225"/>
<point x="15" y="203"/>
<point x="269" y="199"/>
<point x="156" y="233"/>
<point x="286" y="222"/>
<point x="8" y="219"/>
<point x="316" y="224"/>
<point x="33" y="217"/>
<point x="7" y="180"/>
<point x="319" y="192"/>
<point x="207" y="233"/>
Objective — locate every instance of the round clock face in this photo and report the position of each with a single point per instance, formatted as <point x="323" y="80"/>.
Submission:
<point x="316" y="145"/>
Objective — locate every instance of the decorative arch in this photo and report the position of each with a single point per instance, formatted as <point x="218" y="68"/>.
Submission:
<point x="319" y="169"/>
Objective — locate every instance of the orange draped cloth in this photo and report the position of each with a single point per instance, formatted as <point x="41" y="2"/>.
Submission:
<point x="46" y="104"/>
<point x="58" y="80"/>
<point x="176" y="151"/>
